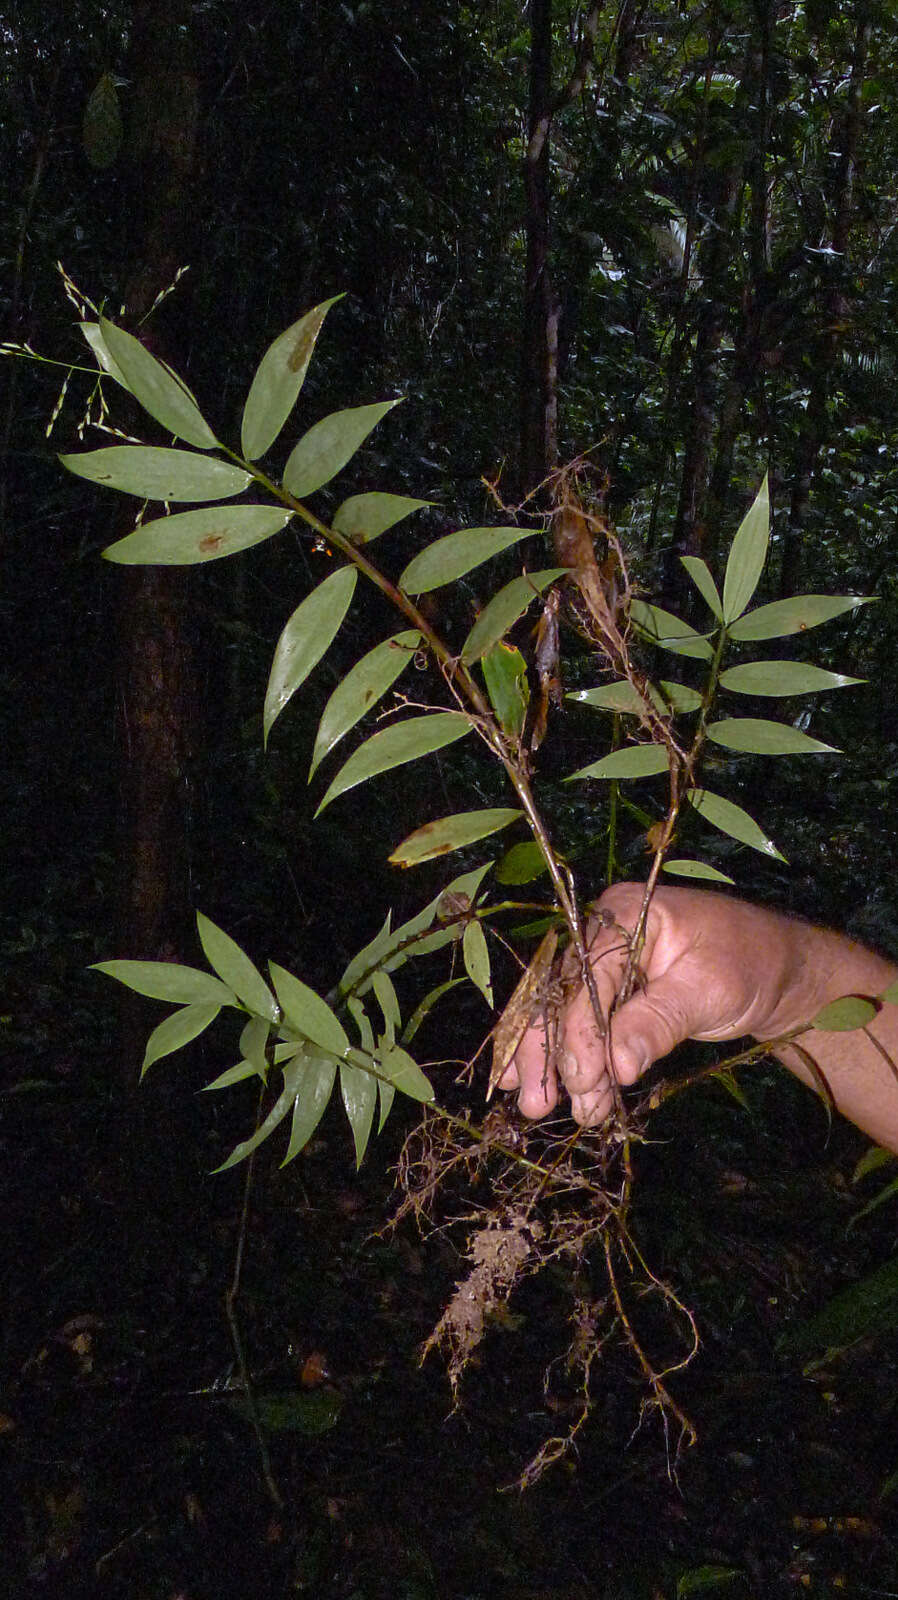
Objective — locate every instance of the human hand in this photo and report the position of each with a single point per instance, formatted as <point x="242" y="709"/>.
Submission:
<point x="711" y="968"/>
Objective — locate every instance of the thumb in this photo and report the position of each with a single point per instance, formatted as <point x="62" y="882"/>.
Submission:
<point x="648" y="1027"/>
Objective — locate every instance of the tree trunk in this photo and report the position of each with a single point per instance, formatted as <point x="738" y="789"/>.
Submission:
<point x="539" y="376"/>
<point x="154" y="657"/>
<point x="814" y="434"/>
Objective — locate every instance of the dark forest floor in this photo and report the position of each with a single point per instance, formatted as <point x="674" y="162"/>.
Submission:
<point x="131" y="1470"/>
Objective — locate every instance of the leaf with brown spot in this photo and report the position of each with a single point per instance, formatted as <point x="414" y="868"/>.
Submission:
<point x="278" y="380"/>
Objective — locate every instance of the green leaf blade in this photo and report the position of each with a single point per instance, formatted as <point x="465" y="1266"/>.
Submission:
<point x="305" y="638"/>
<point x="160" y="393"/>
<point x="157" y="474"/>
<point x="795" y="615"/>
<point x="476" y="954"/>
<point x="315" y="1086"/>
<point x="364" y="517"/>
<point x="281" y="1109"/>
<point x="192" y="537"/>
<point x="177" y="1030"/>
<point x="361" y="689"/>
<point x="845" y="1015"/>
<point x="633" y="761"/>
<point x="307" y="1013"/>
<point x="405" y="1075"/>
<point x="505" y="675"/>
<point x="748" y="553"/>
<point x="521" y="864"/>
<point x="700" y="573"/>
<point x="782" y="678"/>
<point x="394" y="746"/>
<point x="168" y="980"/>
<point x="236" y="970"/>
<point x="732" y="820"/>
<point x="359" y="1091"/>
<point x="623" y="696"/>
<point x="756" y="736"/>
<point x="668" y="632"/>
<point x="456" y="554"/>
<point x="278" y="379"/>
<point x="682" y="868"/>
<point x="445" y="834"/>
<point x="504" y="610"/>
<point x="329" y="445"/>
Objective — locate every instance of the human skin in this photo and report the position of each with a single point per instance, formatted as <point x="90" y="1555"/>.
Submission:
<point x="716" y="968"/>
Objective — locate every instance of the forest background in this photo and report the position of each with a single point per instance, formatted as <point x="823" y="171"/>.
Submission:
<point x="663" y="235"/>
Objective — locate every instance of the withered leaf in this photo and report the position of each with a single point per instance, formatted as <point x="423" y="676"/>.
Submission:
<point x="516" y="1018"/>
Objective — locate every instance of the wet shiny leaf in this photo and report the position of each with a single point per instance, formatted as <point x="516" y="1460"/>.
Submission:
<point x="309" y="632"/>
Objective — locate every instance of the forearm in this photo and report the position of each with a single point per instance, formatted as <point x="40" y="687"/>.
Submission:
<point x="860" y="1068"/>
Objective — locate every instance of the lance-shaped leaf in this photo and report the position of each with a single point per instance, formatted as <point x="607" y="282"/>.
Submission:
<point x="157" y="389"/>
<point x="634" y="761"/>
<point x="232" y="1075"/>
<point x="891" y="993"/>
<point x="292" y="1070"/>
<point x="101" y="129"/>
<point x="455" y="554"/>
<point x="235" y="969"/>
<point x="782" y="678"/>
<point x="756" y="736"/>
<point x="366" y="959"/>
<point x="682" y="868"/>
<point x="360" y="1017"/>
<point x="625" y="697"/>
<point x="866" y="1307"/>
<point x="305" y="1011"/>
<point x="844" y="1015"/>
<point x="392" y="947"/>
<point x="522" y="863"/>
<point x="253" y="1045"/>
<point x="732" y="820"/>
<point x="364" y="517"/>
<point x="361" y="689"/>
<point x="394" y="746"/>
<point x="795" y="615"/>
<point x="167" y="980"/>
<point x="885" y="1194"/>
<point x="475" y="951"/>
<point x="386" y="1095"/>
<point x="157" y="474"/>
<point x="94" y="338"/>
<point x="748" y="553"/>
<point x="700" y="573"/>
<point x="178" y="1030"/>
<point x="503" y="611"/>
<point x="388" y="1000"/>
<point x="669" y="632"/>
<point x="405" y="1074"/>
<point x="315" y="1085"/>
<point x="309" y="632"/>
<point x="328" y="446"/>
<point x="426" y="1005"/>
<point x="277" y="381"/>
<point x="359" y="1091"/>
<point x="194" y="536"/>
<point x="451" y="833"/>
<point x="505" y="675"/>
